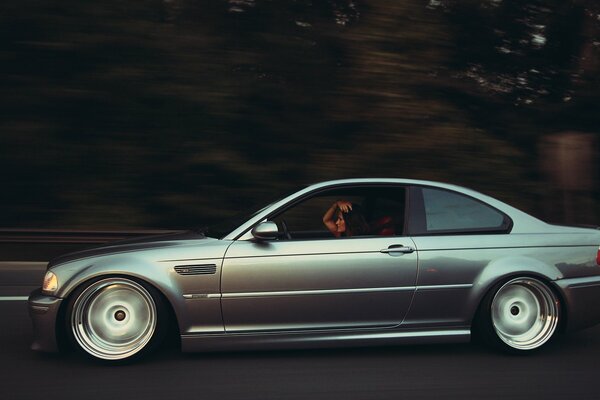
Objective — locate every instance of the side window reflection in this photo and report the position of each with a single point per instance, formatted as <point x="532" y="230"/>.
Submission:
<point x="349" y="212"/>
<point x="438" y="211"/>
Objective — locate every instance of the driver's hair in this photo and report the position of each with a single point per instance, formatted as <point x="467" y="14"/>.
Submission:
<point x="356" y="224"/>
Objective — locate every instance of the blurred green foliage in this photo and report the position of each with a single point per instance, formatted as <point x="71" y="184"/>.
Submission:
<point x="175" y="113"/>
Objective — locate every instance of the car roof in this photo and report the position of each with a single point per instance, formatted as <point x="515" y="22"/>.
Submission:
<point x="359" y="181"/>
<point x="506" y="208"/>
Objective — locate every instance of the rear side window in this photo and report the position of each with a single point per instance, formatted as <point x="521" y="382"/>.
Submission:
<point x="440" y="211"/>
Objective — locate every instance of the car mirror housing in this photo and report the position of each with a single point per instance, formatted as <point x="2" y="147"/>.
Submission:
<point x="266" y="231"/>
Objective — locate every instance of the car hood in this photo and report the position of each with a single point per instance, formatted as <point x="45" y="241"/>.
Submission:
<point x="141" y="243"/>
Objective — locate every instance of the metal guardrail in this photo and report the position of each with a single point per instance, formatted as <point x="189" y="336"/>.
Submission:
<point x="71" y="236"/>
<point x="24" y="253"/>
<point x="45" y="244"/>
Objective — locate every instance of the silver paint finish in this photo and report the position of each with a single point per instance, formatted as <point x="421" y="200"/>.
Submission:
<point x="321" y="339"/>
<point x="484" y="260"/>
<point x="155" y="265"/>
<point x="445" y="287"/>
<point x="305" y="292"/>
<point x="319" y="284"/>
<point x="130" y="245"/>
<point x="43" y="311"/>
<point x="266" y="231"/>
<point x="318" y="292"/>
<point x="580" y="297"/>
<point x="398" y="249"/>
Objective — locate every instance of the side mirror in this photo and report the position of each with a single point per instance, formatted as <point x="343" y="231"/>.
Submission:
<point x="266" y="231"/>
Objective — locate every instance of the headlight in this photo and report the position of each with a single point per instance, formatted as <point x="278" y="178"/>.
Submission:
<point x="50" y="283"/>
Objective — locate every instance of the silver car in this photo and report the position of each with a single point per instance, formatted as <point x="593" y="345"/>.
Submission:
<point x="437" y="263"/>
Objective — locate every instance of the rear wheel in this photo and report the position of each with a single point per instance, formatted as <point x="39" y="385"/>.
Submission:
<point x="519" y="315"/>
<point x="115" y="318"/>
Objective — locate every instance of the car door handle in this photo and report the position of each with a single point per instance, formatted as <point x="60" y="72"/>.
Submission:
<point x="398" y="248"/>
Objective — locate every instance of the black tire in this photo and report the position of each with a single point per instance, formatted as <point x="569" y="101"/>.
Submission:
<point x="518" y="316"/>
<point x="115" y="319"/>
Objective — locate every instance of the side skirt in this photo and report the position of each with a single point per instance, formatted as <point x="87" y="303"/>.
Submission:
<point x="319" y="339"/>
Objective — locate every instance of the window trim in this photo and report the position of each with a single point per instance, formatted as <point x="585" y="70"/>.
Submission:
<point x="416" y="210"/>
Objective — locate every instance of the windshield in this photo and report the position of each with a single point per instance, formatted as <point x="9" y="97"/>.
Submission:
<point x="222" y="228"/>
<point x="227" y="225"/>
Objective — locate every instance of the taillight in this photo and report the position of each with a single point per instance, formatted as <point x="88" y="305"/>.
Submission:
<point x="598" y="257"/>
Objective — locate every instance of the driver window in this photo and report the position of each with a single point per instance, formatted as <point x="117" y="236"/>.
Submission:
<point x="380" y="208"/>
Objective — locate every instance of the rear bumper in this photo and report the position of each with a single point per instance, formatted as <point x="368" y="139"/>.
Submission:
<point x="43" y="311"/>
<point x="582" y="300"/>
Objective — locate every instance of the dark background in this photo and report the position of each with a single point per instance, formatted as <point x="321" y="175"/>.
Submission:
<point x="125" y="115"/>
<point x="122" y="114"/>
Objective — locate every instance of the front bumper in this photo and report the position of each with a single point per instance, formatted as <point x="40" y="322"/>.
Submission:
<point x="43" y="311"/>
<point x="582" y="300"/>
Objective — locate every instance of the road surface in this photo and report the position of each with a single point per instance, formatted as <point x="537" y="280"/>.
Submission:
<point x="568" y="369"/>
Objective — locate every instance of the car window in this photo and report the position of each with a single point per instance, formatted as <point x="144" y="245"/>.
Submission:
<point x="306" y="219"/>
<point x="383" y="209"/>
<point x="446" y="211"/>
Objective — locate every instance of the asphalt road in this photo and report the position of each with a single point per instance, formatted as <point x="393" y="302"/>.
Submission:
<point x="569" y="368"/>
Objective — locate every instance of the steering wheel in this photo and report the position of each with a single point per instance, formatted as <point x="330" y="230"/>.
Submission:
<point x="286" y="231"/>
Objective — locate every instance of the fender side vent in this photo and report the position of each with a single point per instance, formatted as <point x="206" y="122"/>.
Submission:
<point x="202" y="269"/>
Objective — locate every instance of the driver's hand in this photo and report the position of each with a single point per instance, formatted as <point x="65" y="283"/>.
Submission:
<point x="344" y="205"/>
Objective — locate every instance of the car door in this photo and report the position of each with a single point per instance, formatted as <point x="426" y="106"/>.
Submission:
<point x="317" y="283"/>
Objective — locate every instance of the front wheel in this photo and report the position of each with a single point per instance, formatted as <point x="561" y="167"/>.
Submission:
<point x="519" y="315"/>
<point x="115" y="318"/>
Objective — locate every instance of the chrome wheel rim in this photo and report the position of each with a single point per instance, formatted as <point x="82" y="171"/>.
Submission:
<point x="525" y="313"/>
<point x="113" y="318"/>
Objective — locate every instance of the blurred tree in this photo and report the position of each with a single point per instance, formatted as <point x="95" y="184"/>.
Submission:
<point x="170" y="113"/>
<point x="532" y="61"/>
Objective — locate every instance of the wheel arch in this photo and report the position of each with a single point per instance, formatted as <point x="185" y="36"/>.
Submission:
<point x="90" y="275"/>
<point x="505" y="269"/>
<point x="563" y="317"/>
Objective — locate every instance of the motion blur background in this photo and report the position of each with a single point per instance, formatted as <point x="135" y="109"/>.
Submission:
<point x="119" y="114"/>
